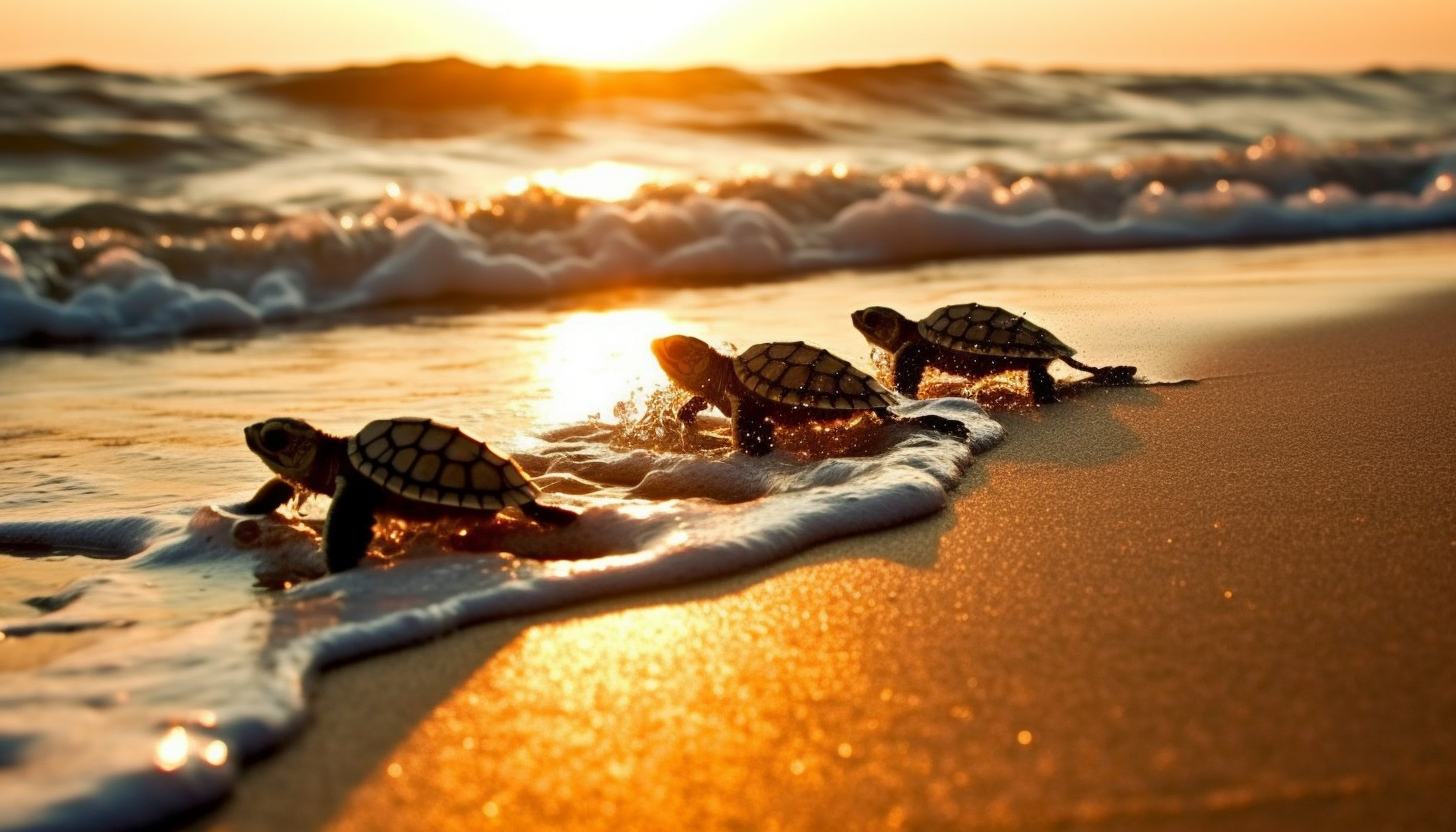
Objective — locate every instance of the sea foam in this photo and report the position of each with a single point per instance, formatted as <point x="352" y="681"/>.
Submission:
<point x="407" y="250"/>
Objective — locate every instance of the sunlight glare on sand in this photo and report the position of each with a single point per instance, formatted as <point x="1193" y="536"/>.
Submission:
<point x="612" y="719"/>
<point x="593" y="360"/>
<point x="589" y="31"/>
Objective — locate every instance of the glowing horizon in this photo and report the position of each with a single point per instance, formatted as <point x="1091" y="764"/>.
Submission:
<point x="598" y="32"/>
<point x="753" y="35"/>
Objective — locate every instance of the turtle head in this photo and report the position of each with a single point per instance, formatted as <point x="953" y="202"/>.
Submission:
<point x="883" y="327"/>
<point x="290" y="447"/>
<point x="687" y="361"/>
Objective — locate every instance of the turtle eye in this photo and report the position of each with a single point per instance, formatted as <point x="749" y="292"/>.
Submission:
<point x="273" y="439"/>
<point x="689" y="360"/>
<point x="886" y="325"/>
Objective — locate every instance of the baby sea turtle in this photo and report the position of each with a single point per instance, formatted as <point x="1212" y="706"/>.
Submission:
<point x="972" y="340"/>
<point x="778" y="384"/>
<point x="405" y="467"/>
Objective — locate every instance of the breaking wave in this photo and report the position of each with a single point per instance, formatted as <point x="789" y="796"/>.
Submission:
<point x="110" y="272"/>
<point x="136" y="206"/>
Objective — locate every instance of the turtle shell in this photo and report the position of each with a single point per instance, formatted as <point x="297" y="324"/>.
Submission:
<point x="990" y="330"/>
<point x="434" y="463"/>
<point x="799" y="374"/>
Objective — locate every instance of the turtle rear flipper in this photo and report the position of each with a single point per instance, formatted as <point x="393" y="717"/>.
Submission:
<point x="271" y="495"/>
<point x="548" y="515"/>
<point x="1120" y="375"/>
<point x="349" y="528"/>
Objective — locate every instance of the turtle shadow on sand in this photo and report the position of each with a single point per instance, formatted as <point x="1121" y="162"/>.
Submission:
<point x="1081" y="430"/>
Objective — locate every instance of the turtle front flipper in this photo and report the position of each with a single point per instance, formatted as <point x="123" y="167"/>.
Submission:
<point x="548" y="515"/>
<point x="909" y="369"/>
<point x="688" y="413"/>
<point x="1043" y="388"/>
<point x="1118" y="376"/>
<point x="273" y="494"/>
<point x="752" y="431"/>
<point x="349" y="528"/>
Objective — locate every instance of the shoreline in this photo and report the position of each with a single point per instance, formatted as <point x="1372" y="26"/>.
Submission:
<point x="1223" y="605"/>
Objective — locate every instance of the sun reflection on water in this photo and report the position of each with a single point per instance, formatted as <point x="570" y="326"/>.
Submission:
<point x="607" y="181"/>
<point x="595" y="360"/>
<point x="173" y="749"/>
<point x="215" y="753"/>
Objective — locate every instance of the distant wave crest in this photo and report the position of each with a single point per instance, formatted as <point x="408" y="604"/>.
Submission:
<point x="454" y="83"/>
<point x="65" y="280"/>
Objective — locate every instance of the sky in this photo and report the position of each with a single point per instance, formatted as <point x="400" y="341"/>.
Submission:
<point x="188" y="36"/>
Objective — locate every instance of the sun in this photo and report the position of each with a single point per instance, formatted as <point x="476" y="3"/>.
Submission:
<point x="597" y="32"/>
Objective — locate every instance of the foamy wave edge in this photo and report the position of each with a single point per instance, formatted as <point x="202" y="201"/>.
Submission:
<point x="98" y="285"/>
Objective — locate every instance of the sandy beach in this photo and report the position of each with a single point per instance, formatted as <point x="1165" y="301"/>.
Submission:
<point x="1220" y="605"/>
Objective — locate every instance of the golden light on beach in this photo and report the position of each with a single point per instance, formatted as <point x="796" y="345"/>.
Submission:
<point x="613" y="719"/>
<point x="588" y="31"/>
<point x="596" y="359"/>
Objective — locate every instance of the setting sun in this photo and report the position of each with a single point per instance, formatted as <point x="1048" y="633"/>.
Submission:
<point x="580" y="31"/>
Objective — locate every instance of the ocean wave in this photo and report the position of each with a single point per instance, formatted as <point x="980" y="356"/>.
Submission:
<point x="328" y="139"/>
<point x="437" y="97"/>
<point x="130" y="147"/>
<point x="773" y="129"/>
<point x="69" y="91"/>
<point x="145" y="207"/>
<point x="61" y="284"/>
<point x="452" y="83"/>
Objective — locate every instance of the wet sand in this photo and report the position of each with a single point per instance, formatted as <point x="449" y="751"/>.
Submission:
<point x="1226" y="605"/>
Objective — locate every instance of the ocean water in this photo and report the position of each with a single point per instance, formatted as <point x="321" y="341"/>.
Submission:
<point x="133" y="207"/>
<point x="495" y="248"/>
